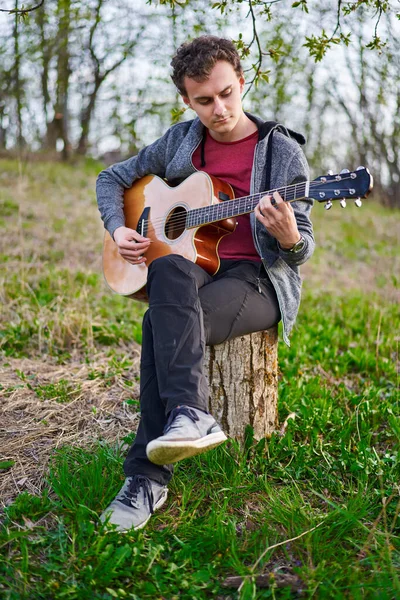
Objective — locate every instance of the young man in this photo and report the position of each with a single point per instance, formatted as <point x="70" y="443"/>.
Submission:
<point x="256" y="285"/>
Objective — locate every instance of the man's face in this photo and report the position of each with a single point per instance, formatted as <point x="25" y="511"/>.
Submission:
<point x="217" y="101"/>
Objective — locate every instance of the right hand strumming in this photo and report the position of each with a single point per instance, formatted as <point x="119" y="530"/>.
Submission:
<point x="131" y="245"/>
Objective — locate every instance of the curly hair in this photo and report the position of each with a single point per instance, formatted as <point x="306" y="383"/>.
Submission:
<point x="197" y="58"/>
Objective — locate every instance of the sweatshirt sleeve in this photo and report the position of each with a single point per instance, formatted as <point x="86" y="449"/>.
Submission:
<point x="112" y="182"/>
<point x="297" y="172"/>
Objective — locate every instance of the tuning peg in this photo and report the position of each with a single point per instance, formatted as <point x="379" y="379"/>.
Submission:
<point x="343" y="171"/>
<point x="359" y="168"/>
<point x="328" y="205"/>
<point x="358" y="202"/>
<point x="330" y="172"/>
<point x="343" y="203"/>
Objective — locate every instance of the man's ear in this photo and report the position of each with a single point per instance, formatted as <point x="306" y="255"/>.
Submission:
<point x="186" y="101"/>
<point x="241" y="82"/>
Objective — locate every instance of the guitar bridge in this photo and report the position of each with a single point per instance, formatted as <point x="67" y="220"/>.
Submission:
<point x="142" y="225"/>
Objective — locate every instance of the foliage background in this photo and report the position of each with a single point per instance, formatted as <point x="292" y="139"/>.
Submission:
<point x="92" y="78"/>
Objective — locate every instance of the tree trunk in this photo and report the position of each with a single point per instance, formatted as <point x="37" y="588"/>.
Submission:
<point x="243" y="379"/>
<point x="87" y="116"/>
<point x="17" y="79"/>
<point x="58" y="127"/>
<point x="46" y="48"/>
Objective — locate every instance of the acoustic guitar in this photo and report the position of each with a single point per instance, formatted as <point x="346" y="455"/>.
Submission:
<point x="192" y="218"/>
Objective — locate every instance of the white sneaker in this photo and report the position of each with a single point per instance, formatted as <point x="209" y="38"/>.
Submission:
<point x="133" y="506"/>
<point x="188" y="432"/>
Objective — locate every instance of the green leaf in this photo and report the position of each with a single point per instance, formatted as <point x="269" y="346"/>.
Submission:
<point x="7" y="464"/>
<point x="302" y="3"/>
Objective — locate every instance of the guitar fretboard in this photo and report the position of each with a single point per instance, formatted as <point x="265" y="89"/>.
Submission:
<point x="241" y="206"/>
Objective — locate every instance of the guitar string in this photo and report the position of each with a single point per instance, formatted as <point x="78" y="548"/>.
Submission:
<point x="180" y="219"/>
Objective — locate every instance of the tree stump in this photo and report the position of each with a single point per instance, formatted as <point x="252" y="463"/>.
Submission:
<point x="243" y="379"/>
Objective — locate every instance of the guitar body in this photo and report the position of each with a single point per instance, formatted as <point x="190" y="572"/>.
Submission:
<point x="158" y="211"/>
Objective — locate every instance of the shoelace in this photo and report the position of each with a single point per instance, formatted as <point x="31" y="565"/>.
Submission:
<point x="180" y="410"/>
<point x="137" y="483"/>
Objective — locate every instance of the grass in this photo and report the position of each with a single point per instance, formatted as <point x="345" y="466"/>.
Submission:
<point x="313" y="512"/>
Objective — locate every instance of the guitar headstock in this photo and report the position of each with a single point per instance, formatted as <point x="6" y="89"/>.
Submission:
<point x="346" y="184"/>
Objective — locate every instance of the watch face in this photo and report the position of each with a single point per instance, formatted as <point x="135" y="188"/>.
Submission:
<point x="299" y="245"/>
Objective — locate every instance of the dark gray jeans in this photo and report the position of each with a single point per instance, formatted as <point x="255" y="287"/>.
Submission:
<point x="188" y="308"/>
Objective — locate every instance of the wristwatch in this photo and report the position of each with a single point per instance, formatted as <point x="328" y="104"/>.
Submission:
<point x="297" y="247"/>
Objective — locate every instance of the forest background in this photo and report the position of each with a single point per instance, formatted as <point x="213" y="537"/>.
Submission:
<point x="312" y="512"/>
<point x="92" y="78"/>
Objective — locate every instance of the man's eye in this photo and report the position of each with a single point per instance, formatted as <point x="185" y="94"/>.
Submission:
<point x="225" y="94"/>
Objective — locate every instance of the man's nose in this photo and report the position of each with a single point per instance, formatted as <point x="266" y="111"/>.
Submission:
<point x="219" y="107"/>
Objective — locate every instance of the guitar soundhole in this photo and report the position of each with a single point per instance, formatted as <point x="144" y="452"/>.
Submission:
<point x="175" y="223"/>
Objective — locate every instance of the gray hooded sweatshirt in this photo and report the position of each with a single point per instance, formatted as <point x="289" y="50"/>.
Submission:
<point x="170" y="157"/>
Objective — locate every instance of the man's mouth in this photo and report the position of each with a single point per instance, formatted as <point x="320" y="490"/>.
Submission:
<point x="221" y="120"/>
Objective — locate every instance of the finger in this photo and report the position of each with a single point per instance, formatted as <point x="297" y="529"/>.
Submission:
<point x="130" y="253"/>
<point x="269" y="204"/>
<point x="139" y="261"/>
<point x="132" y="234"/>
<point x="132" y="245"/>
<point x="134" y="260"/>
<point x="268" y="209"/>
<point x="260" y="216"/>
<point x="265" y="204"/>
<point x="278" y="203"/>
<point x="140" y="238"/>
<point x="277" y="200"/>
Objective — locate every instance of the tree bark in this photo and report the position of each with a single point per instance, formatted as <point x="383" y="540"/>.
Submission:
<point x="58" y="127"/>
<point x="18" y="86"/>
<point x="46" y="48"/>
<point x="243" y="379"/>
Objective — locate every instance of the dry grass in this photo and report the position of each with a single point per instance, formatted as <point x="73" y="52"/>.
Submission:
<point x="32" y="426"/>
<point x="51" y="222"/>
<point x="356" y="249"/>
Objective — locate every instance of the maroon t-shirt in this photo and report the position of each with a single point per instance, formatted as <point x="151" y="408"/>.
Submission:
<point x="232" y="162"/>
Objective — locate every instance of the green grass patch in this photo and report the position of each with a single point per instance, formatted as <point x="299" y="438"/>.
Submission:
<point x="7" y="205"/>
<point x="6" y="464"/>
<point x="326" y="491"/>
<point x="226" y="509"/>
<point x="62" y="391"/>
<point x="61" y="310"/>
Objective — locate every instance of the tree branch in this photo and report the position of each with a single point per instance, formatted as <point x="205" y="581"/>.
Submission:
<point x="22" y="11"/>
<point x="256" y="39"/>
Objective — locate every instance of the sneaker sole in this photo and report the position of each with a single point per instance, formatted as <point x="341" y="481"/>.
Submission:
<point x="166" y="453"/>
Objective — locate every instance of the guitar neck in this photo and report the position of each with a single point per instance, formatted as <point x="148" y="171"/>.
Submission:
<point x="242" y="206"/>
